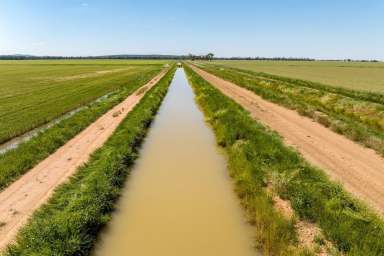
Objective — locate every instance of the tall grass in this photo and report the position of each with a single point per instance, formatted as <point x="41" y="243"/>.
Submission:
<point x="17" y="161"/>
<point x="351" y="113"/>
<point x="69" y="223"/>
<point x="356" y="76"/>
<point x="256" y="153"/>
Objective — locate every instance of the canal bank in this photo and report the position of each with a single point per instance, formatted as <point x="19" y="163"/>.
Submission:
<point x="179" y="199"/>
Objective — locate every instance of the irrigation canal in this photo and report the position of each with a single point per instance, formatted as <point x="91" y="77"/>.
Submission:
<point x="178" y="199"/>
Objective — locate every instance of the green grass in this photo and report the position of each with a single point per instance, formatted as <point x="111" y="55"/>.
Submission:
<point x="17" y="161"/>
<point x="357" y="115"/>
<point x="69" y="223"/>
<point x="351" y="75"/>
<point x="256" y="154"/>
<point x="35" y="92"/>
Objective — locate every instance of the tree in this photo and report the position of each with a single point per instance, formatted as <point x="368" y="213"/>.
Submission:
<point x="191" y="56"/>
<point x="210" y="56"/>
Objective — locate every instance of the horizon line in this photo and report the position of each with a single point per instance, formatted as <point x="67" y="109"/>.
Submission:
<point x="32" y="56"/>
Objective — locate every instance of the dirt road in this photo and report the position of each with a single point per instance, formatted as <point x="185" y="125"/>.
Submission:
<point x="360" y="169"/>
<point x="23" y="197"/>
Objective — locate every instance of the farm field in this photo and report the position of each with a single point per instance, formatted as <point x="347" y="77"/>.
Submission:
<point x="30" y="152"/>
<point x="350" y="75"/>
<point x="35" y="92"/>
<point x="289" y="207"/>
<point x="357" y="115"/>
<point x="149" y="128"/>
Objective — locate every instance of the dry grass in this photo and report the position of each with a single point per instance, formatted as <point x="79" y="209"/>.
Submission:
<point x="351" y="75"/>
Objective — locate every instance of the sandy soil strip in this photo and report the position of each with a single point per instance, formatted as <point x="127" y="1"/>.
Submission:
<point x="24" y="196"/>
<point x="359" y="169"/>
<point x="92" y="74"/>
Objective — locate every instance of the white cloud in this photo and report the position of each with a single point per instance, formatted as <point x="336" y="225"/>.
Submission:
<point x="84" y="4"/>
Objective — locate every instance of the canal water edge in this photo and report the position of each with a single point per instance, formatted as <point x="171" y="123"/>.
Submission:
<point x="179" y="199"/>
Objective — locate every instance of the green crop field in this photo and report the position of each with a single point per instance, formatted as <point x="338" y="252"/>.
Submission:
<point x="367" y="76"/>
<point x="35" y="92"/>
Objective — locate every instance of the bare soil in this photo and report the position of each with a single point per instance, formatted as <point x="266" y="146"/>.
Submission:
<point x="24" y="196"/>
<point x="88" y="75"/>
<point x="359" y="169"/>
<point x="306" y="231"/>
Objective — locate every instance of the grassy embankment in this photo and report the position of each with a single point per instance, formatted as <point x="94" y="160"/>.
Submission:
<point x="360" y="76"/>
<point x="355" y="114"/>
<point x="33" y="93"/>
<point x="69" y="223"/>
<point x="258" y="158"/>
<point x="17" y="161"/>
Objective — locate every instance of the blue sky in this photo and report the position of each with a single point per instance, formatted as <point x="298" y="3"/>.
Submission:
<point x="297" y="28"/>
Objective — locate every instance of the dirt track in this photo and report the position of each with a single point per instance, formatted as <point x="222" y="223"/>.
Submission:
<point x="360" y="169"/>
<point x="23" y="197"/>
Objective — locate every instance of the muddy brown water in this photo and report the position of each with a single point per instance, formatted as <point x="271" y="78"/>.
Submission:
<point x="178" y="199"/>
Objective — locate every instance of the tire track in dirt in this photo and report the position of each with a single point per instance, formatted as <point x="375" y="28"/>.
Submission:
<point x="359" y="169"/>
<point x="30" y="191"/>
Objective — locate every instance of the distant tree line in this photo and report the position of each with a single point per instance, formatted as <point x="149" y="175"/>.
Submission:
<point x="350" y="60"/>
<point x="268" y="58"/>
<point x="208" y="57"/>
<point x="32" y="57"/>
